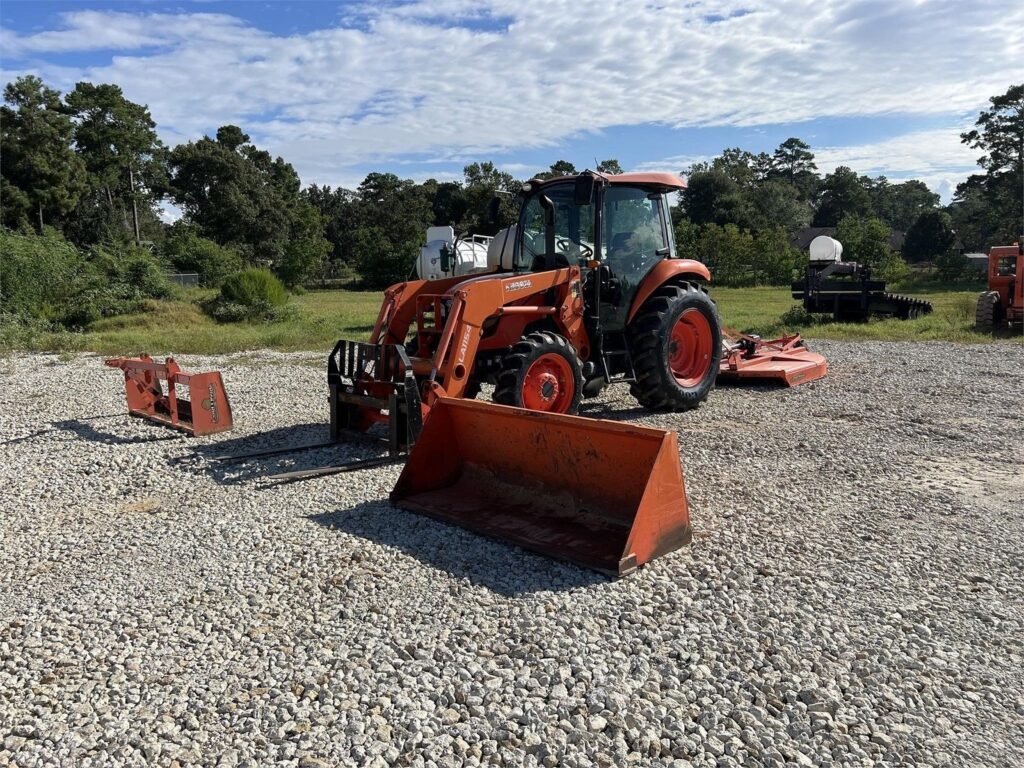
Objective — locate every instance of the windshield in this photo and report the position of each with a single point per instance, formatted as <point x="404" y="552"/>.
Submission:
<point x="574" y="230"/>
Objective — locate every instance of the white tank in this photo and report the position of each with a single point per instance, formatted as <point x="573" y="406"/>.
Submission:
<point x="499" y="252"/>
<point x="826" y="250"/>
<point x="464" y="256"/>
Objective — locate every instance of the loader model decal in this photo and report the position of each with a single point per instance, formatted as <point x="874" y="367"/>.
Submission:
<point x="464" y="345"/>
<point x="210" y="403"/>
<point x="518" y="285"/>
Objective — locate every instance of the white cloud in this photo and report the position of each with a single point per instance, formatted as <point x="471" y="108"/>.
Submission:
<point x="409" y="81"/>
<point x="936" y="157"/>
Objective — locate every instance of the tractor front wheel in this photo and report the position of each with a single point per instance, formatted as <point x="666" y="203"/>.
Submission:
<point x="541" y="373"/>
<point x="676" y="345"/>
<point x="986" y="315"/>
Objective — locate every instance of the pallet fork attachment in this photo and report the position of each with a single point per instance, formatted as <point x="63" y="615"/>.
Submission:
<point x="785" y="359"/>
<point x="603" y="494"/>
<point x="206" y="413"/>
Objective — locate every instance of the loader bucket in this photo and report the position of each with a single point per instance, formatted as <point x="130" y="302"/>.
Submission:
<point x="603" y="494"/>
<point x="206" y="413"/>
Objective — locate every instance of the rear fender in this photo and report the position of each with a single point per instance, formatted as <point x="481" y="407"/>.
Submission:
<point x="666" y="271"/>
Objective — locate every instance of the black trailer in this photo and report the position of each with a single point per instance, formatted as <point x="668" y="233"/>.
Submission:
<point x="846" y="291"/>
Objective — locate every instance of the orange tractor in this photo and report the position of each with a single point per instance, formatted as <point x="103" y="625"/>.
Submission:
<point x="1003" y="303"/>
<point x="585" y="290"/>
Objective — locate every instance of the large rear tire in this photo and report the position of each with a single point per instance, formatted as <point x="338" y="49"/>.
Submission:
<point x="986" y="315"/>
<point x="676" y="344"/>
<point x="541" y="373"/>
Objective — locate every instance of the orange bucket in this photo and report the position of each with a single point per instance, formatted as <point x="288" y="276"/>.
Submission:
<point x="603" y="494"/>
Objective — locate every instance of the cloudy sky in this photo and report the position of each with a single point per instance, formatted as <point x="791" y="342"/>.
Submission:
<point x="422" y="88"/>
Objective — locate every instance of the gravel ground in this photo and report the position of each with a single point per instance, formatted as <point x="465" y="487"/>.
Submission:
<point x="854" y="594"/>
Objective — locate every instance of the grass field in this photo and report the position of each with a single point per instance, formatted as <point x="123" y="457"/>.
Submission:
<point x="322" y="317"/>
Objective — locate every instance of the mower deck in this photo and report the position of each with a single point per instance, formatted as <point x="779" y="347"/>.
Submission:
<point x="784" y="360"/>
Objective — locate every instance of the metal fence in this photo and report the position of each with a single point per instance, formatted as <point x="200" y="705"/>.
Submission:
<point x="185" y="279"/>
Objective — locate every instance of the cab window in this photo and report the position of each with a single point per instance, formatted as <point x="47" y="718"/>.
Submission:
<point x="1006" y="266"/>
<point x="633" y="232"/>
<point x="574" y="230"/>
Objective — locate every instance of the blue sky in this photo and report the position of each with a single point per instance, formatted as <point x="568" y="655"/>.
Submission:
<point x="422" y="88"/>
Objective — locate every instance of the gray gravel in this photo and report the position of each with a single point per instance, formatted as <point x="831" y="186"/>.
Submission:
<point x="854" y="594"/>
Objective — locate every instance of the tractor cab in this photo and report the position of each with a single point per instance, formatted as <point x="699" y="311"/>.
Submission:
<point x="616" y="229"/>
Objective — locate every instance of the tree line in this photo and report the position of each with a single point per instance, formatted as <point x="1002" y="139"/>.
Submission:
<point x="88" y="166"/>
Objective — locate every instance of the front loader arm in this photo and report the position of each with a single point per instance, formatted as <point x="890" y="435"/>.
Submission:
<point x="398" y="310"/>
<point x="475" y="301"/>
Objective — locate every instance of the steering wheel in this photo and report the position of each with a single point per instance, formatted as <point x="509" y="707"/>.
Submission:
<point x="586" y="252"/>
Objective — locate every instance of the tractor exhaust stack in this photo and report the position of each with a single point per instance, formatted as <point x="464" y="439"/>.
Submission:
<point x="603" y="494"/>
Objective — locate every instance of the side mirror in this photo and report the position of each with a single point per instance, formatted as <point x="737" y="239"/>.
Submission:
<point x="492" y="209"/>
<point x="446" y="259"/>
<point x="584" y="191"/>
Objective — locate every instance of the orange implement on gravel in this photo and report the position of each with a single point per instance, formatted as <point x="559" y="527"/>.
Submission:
<point x="208" y="411"/>
<point x="785" y="360"/>
<point x="603" y="494"/>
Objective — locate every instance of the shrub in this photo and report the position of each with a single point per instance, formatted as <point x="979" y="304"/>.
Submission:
<point x="892" y="268"/>
<point x="46" y="278"/>
<point x="951" y="265"/>
<point x="253" y="294"/>
<point x="728" y="252"/>
<point x="252" y="286"/>
<point x="188" y="252"/>
<point x="775" y="257"/>
<point x="381" y="263"/>
<point x="38" y="273"/>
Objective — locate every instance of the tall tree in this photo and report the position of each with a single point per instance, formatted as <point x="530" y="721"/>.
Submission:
<point x="929" y="237"/>
<point x="999" y="133"/>
<point x="42" y="176"/>
<point x="125" y="159"/>
<point x="794" y="161"/>
<point x="239" y="195"/>
<point x="900" y="205"/>
<point x="842" y="194"/>
<point x="713" y="197"/>
<point x="777" y="202"/>
<point x="558" y="168"/>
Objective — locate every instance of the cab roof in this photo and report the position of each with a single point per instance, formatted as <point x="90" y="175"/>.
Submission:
<point x="662" y="180"/>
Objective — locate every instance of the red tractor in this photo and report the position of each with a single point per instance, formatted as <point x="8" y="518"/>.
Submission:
<point x="1002" y="305"/>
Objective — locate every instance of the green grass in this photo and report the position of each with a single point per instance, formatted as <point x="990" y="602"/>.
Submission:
<point x="322" y="317"/>
<point x="759" y="310"/>
<point x="181" y="328"/>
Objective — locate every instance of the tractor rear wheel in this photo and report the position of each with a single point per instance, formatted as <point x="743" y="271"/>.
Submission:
<point x="986" y="316"/>
<point x="676" y="345"/>
<point x="541" y="373"/>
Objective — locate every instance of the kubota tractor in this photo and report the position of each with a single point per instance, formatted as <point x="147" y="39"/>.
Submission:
<point x="1003" y="303"/>
<point x="586" y="289"/>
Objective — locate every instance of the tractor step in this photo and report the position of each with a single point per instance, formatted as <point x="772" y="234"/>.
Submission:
<point x="623" y="371"/>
